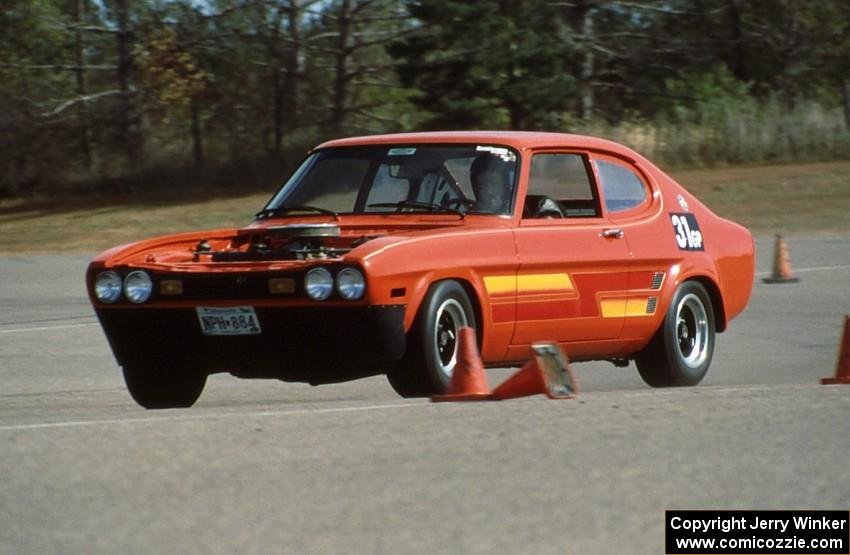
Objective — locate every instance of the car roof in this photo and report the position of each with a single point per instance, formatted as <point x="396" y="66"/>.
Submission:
<point x="519" y="140"/>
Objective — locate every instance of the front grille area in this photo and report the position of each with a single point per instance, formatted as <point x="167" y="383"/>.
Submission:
<point x="223" y="286"/>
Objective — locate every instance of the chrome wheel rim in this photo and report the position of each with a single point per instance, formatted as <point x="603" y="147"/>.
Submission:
<point x="449" y="319"/>
<point x="692" y="333"/>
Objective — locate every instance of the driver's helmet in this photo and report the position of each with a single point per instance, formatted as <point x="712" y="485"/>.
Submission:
<point x="489" y="163"/>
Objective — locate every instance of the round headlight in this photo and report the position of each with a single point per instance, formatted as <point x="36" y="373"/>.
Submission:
<point x="319" y="284"/>
<point x="350" y="284"/>
<point x="107" y="287"/>
<point x="138" y="286"/>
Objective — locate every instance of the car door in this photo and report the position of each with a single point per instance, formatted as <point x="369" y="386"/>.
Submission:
<point x="629" y="202"/>
<point x="572" y="278"/>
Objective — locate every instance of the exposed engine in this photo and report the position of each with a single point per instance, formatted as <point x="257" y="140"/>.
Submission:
<point x="287" y="242"/>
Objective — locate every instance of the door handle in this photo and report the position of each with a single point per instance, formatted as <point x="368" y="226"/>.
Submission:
<point x="613" y="234"/>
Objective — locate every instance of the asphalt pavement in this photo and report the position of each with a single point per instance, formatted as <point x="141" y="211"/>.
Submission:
<point x="269" y="467"/>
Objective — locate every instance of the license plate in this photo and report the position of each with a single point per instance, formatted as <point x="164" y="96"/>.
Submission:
<point x="234" y="320"/>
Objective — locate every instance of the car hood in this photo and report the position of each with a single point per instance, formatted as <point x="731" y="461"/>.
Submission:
<point x="288" y="242"/>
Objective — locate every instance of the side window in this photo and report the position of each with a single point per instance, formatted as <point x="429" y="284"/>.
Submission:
<point x="560" y="187"/>
<point x="621" y="186"/>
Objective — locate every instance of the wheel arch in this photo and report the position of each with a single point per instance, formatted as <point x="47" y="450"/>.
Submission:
<point x="415" y="377"/>
<point x="716" y="300"/>
<point x="471" y="292"/>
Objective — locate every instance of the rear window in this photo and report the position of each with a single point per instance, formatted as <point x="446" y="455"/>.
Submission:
<point x="622" y="188"/>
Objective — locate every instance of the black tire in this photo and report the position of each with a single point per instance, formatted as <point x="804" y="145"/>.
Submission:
<point x="155" y="387"/>
<point x="432" y="343"/>
<point x="681" y="351"/>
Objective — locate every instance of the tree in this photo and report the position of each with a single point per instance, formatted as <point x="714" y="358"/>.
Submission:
<point x="488" y="63"/>
<point x="348" y="59"/>
<point x="171" y="79"/>
<point x="102" y="89"/>
<point x="37" y="89"/>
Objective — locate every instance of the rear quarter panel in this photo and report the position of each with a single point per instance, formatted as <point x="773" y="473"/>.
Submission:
<point x="725" y="266"/>
<point x="728" y="260"/>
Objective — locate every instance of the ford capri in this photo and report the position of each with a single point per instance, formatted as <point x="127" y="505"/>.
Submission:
<point x="377" y="250"/>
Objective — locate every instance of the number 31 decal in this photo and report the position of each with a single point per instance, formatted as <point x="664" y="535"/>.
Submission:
<point x="688" y="235"/>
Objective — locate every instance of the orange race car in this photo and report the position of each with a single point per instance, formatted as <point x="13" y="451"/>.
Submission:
<point x="378" y="249"/>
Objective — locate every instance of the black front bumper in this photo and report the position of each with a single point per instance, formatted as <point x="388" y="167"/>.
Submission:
<point x="310" y="344"/>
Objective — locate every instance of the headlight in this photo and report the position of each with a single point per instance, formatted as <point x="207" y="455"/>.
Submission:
<point x="350" y="284"/>
<point x="319" y="284"/>
<point x="138" y="286"/>
<point x="107" y="287"/>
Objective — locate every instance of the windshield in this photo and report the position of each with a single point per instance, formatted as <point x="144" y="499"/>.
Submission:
<point x="411" y="178"/>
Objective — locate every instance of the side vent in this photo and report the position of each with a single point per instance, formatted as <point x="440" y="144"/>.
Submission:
<point x="657" y="280"/>
<point x="651" y="303"/>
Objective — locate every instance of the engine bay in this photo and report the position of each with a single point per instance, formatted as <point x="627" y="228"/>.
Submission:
<point x="286" y="242"/>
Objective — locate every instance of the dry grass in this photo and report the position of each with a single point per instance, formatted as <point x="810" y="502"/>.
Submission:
<point x="800" y="198"/>
<point x="44" y="227"/>
<point x="803" y="198"/>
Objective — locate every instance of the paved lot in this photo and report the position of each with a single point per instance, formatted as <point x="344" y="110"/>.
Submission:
<point x="263" y="466"/>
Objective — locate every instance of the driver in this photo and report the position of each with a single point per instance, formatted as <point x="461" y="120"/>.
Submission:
<point x="491" y="182"/>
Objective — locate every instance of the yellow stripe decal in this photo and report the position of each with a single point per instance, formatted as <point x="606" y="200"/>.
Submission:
<point x="525" y="283"/>
<point x="496" y="285"/>
<point x="544" y="282"/>
<point x="619" y="308"/>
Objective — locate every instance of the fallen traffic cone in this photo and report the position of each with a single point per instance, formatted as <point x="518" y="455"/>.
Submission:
<point x="548" y="372"/>
<point x="782" y="272"/>
<point x="469" y="379"/>
<point x="842" y="370"/>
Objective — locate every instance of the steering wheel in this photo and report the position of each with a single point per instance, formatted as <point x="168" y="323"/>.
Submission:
<point x="461" y="201"/>
<point x="452" y="185"/>
<point x="541" y="206"/>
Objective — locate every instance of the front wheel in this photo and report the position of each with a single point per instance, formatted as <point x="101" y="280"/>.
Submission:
<point x="681" y="351"/>
<point x="155" y="387"/>
<point x="432" y="345"/>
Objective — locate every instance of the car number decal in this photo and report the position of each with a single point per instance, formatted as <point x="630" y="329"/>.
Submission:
<point x="688" y="234"/>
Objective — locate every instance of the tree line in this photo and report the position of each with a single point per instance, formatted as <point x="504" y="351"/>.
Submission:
<point x="123" y="93"/>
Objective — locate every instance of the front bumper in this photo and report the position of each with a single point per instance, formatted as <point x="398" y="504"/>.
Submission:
<point x="310" y="344"/>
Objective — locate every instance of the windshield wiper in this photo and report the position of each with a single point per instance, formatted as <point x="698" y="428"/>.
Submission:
<point x="267" y="212"/>
<point x="421" y="205"/>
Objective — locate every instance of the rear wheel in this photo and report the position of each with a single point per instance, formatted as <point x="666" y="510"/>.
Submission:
<point x="681" y="351"/>
<point x="156" y="387"/>
<point x="432" y="345"/>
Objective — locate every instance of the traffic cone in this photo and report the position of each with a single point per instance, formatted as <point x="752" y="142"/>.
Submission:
<point x="548" y="373"/>
<point x="782" y="272"/>
<point x="469" y="379"/>
<point x="842" y="369"/>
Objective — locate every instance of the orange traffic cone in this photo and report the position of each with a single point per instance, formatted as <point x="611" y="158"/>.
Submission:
<point x="469" y="379"/>
<point x="782" y="272"/>
<point x="842" y="370"/>
<point x="548" y="372"/>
